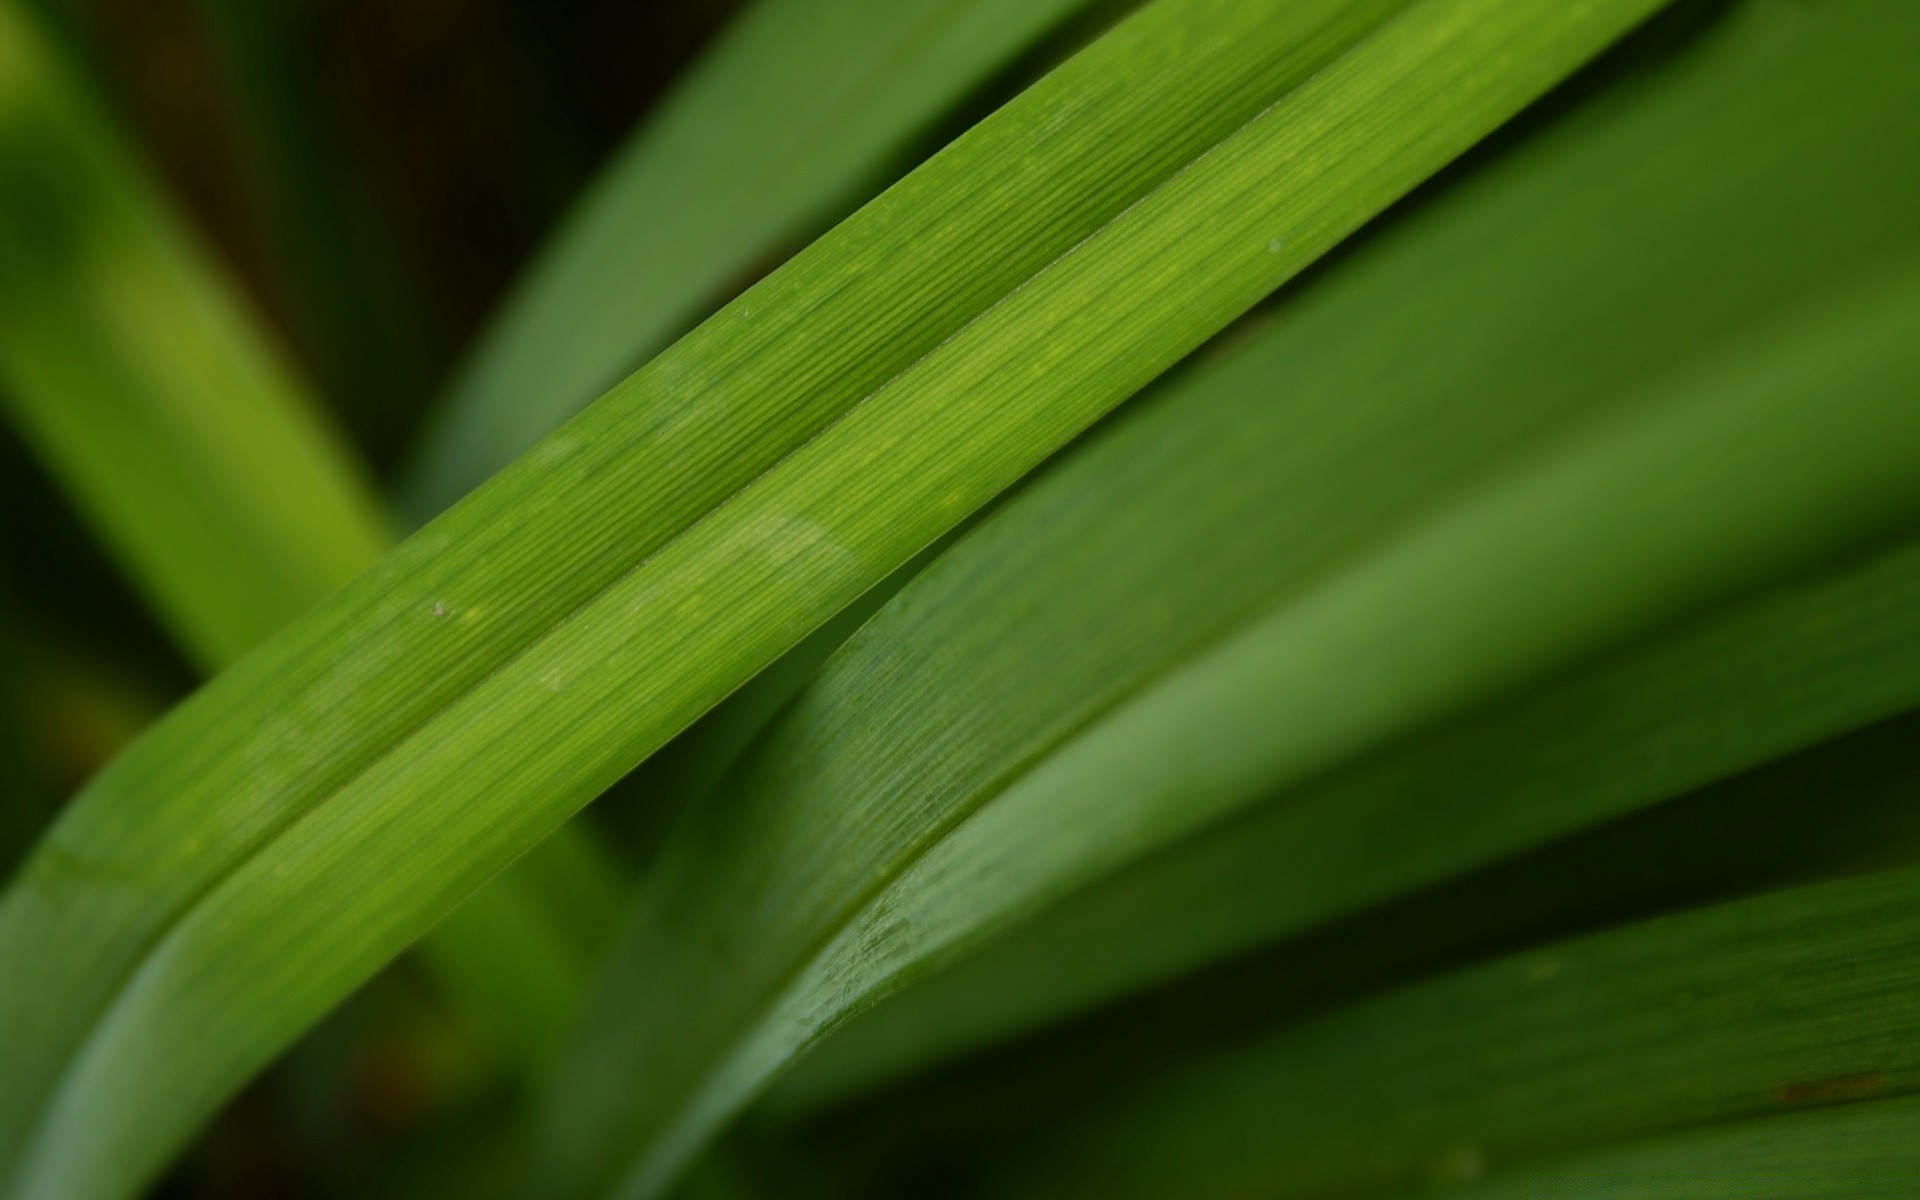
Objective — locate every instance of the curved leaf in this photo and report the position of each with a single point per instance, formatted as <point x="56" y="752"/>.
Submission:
<point x="1720" y="695"/>
<point x="1832" y="811"/>
<point x="296" y="823"/>
<point x="199" y="458"/>
<point x="853" y="864"/>
<point x="1230" y="494"/>
<point x="1743" y="1011"/>
<point x="187" y="442"/>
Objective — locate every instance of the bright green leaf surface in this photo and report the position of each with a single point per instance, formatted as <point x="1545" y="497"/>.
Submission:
<point x="1762" y="1007"/>
<point x="770" y="921"/>
<point x="1538" y="291"/>
<point x="796" y="107"/>
<point x="296" y="823"/>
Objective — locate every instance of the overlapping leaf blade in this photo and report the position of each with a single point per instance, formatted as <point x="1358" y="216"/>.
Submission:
<point x="1736" y="688"/>
<point x="762" y="933"/>
<point x="1730" y="1014"/>
<point x="297" y="822"/>
<point x="1255" y="476"/>
<point x="1833" y="811"/>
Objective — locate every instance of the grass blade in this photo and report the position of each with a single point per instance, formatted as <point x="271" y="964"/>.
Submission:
<point x="751" y="947"/>
<point x="216" y="483"/>
<point x="199" y="458"/>
<point x="1833" y="811"/>
<point x="1532" y="297"/>
<point x="799" y="105"/>
<point x="1732" y="1013"/>
<point x="1721" y="695"/>
<point x="295" y="824"/>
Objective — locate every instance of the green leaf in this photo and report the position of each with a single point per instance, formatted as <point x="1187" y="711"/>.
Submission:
<point x="761" y="933"/>
<point x="296" y="823"/>
<point x="1740" y="1012"/>
<point x="198" y="457"/>
<point x="1720" y="695"/>
<point x="1854" y="1152"/>
<point x="1535" y="301"/>
<point x="799" y="105"/>
<point x="1828" y="812"/>
<point x="129" y="366"/>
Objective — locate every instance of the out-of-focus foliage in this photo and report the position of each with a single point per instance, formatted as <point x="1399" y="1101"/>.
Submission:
<point x="133" y="370"/>
<point x="1288" y="788"/>
<point x="228" y="502"/>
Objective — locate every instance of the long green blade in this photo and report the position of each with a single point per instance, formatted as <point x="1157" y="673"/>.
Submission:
<point x="1752" y="1009"/>
<point x="197" y="456"/>
<point x="301" y="819"/>
<point x="1530" y="297"/>
<point x="1719" y="696"/>
<point x="190" y="446"/>
<point x="799" y="105"/>
<point x="1832" y="811"/>
<point x="760" y="936"/>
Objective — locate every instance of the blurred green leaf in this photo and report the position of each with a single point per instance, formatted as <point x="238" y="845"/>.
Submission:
<point x="198" y="457"/>
<point x="1762" y="1007"/>
<point x="132" y="370"/>
<point x="290" y="828"/>
<point x="799" y="105"/>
